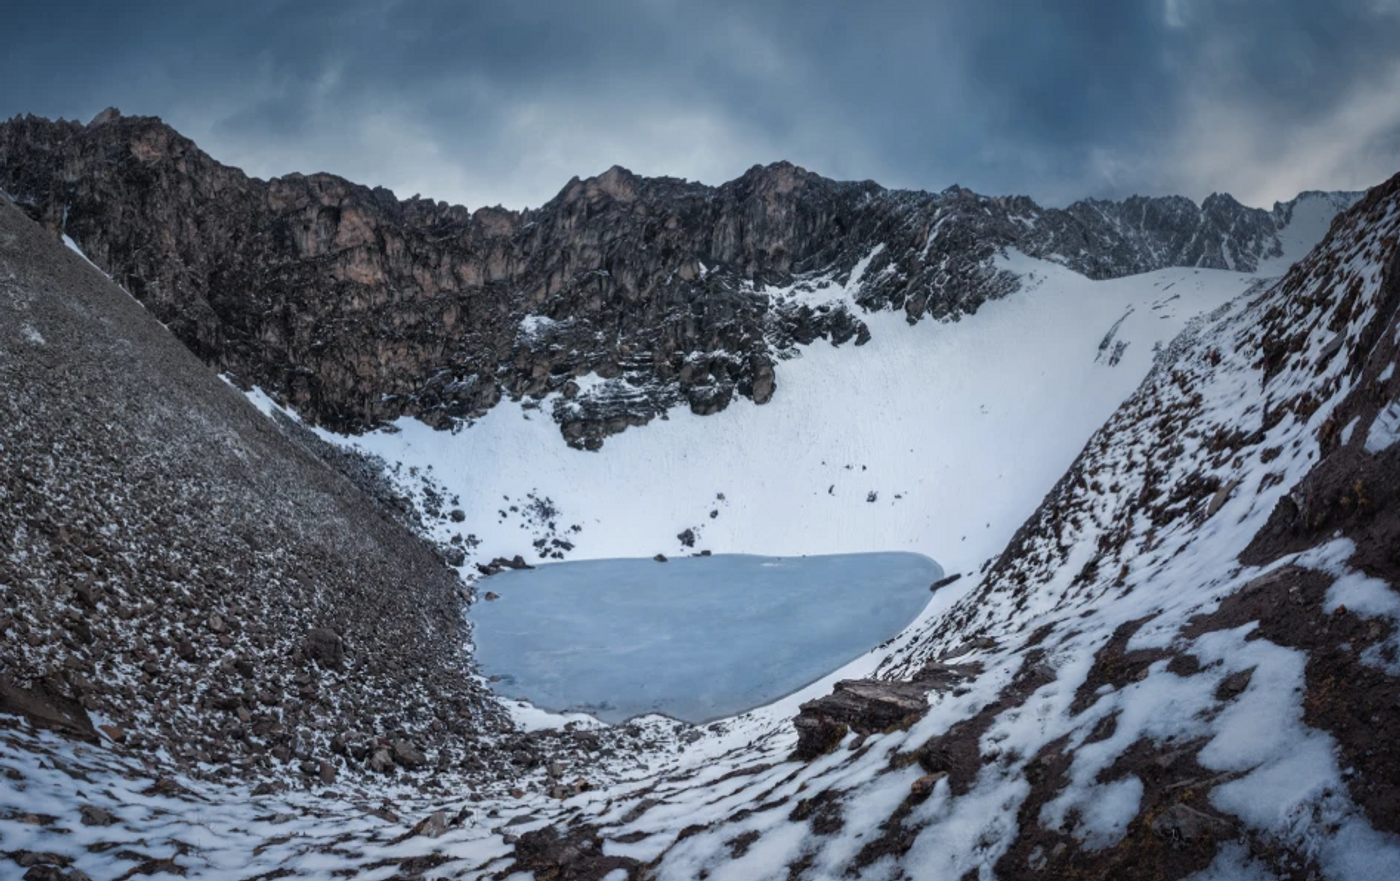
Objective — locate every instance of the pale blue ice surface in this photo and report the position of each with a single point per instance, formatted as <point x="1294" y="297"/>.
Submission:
<point x="696" y="638"/>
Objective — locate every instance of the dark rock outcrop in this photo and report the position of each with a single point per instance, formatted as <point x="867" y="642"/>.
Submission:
<point x="46" y="706"/>
<point x="573" y="855"/>
<point x="868" y="706"/>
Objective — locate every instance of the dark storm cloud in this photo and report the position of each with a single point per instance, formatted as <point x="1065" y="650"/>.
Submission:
<point x="480" y="103"/>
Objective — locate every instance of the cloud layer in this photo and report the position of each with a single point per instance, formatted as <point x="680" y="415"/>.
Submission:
<point x="483" y="103"/>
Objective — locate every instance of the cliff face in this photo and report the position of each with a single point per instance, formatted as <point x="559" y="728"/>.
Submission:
<point x="357" y="307"/>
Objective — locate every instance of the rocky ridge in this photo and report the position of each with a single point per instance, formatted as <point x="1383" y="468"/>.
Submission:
<point x="624" y="295"/>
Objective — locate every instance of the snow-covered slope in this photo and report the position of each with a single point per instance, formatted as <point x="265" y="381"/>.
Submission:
<point x="1184" y="665"/>
<point x="938" y="437"/>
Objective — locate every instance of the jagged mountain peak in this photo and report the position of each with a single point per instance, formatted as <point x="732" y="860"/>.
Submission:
<point x="779" y="177"/>
<point x="106" y="116"/>
<point x="1220" y="202"/>
<point x="617" y="182"/>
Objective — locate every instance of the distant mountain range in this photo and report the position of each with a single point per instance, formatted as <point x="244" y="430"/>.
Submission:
<point x="356" y="307"/>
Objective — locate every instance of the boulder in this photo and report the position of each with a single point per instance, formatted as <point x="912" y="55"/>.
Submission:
<point x="382" y="762"/>
<point x="408" y="755"/>
<point x="576" y="853"/>
<point x="324" y="646"/>
<point x="432" y="826"/>
<point x="46" y="707"/>
<point x="922" y="788"/>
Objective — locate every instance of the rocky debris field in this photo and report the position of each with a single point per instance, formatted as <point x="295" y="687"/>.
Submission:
<point x="200" y="584"/>
<point x="624" y="296"/>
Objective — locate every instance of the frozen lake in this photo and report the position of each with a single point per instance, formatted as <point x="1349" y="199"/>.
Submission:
<point x="696" y="638"/>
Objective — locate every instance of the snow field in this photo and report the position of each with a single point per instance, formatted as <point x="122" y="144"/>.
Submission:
<point x="935" y="438"/>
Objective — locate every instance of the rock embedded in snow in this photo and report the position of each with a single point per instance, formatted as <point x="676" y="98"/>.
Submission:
<point x="1221" y="496"/>
<point x="869" y="706"/>
<point x="922" y="788"/>
<point x="576" y="853"/>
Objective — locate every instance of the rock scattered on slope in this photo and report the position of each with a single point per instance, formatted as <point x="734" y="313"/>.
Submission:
<point x="186" y="568"/>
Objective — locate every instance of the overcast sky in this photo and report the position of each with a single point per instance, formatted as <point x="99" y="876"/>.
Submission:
<point x="503" y="102"/>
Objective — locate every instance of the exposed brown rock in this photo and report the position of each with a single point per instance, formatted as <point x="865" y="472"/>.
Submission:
<point x="45" y="707"/>
<point x="575" y="854"/>
<point x="867" y="706"/>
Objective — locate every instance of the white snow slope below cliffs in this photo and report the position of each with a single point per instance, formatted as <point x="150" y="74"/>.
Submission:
<point x="938" y="438"/>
